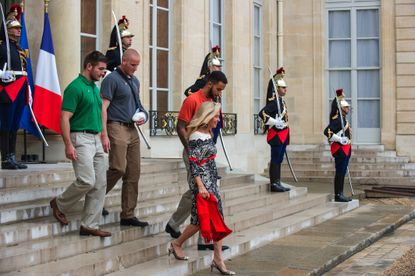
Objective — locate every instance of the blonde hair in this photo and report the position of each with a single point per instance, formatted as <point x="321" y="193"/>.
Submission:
<point x="204" y="114"/>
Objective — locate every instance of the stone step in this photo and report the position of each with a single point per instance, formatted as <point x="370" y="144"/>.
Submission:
<point x="324" y="153"/>
<point x="353" y="159"/>
<point x="352" y="166"/>
<point x="48" y="250"/>
<point x="241" y="242"/>
<point x="43" y="174"/>
<point x="18" y="211"/>
<point x="47" y="226"/>
<point x="258" y="216"/>
<point x="22" y="194"/>
<point x="326" y="147"/>
<point x="50" y="190"/>
<point x="24" y="254"/>
<point x="409" y="181"/>
<point x="285" y="171"/>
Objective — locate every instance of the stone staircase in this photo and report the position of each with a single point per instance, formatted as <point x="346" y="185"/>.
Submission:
<point x="34" y="243"/>
<point x="369" y="165"/>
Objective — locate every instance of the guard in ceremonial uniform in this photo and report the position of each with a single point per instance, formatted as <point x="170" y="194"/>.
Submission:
<point x="113" y="53"/>
<point x="211" y="63"/>
<point x="340" y="142"/>
<point x="13" y="88"/>
<point x="275" y="117"/>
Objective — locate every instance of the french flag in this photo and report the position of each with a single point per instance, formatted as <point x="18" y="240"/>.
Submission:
<point x="47" y="99"/>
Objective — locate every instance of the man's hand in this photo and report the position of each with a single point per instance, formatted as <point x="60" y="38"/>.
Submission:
<point x="70" y="152"/>
<point x="105" y="143"/>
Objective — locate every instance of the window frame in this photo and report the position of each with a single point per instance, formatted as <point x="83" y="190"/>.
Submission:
<point x="153" y="59"/>
<point x="97" y="35"/>
<point x="257" y="67"/>
<point x="221" y="25"/>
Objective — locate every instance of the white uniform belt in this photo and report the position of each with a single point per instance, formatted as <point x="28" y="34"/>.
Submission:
<point x="19" y="73"/>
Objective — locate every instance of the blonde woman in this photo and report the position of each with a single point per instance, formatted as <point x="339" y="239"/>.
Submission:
<point x="202" y="153"/>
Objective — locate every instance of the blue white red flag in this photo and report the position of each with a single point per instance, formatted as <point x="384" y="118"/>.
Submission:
<point x="26" y="121"/>
<point x="47" y="94"/>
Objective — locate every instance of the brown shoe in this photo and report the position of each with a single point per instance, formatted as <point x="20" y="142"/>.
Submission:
<point x="59" y="216"/>
<point x="85" y="231"/>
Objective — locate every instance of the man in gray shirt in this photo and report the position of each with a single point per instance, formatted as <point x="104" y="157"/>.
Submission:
<point x="121" y="100"/>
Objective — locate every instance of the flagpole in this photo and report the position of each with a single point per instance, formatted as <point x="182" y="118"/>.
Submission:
<point x="46" y="5"/>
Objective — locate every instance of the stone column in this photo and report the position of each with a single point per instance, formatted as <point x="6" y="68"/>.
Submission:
<point x="65" y="21"/>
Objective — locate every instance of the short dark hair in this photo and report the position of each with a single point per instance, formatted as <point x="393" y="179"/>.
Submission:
<point x="94" y="58"/>
<point x="217" y="76"/>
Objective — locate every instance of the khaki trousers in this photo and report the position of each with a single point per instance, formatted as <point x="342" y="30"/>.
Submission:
<point x="90" y="180"/>
<point x="124" y="162"/>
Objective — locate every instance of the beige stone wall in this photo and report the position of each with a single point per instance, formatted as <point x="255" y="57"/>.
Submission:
<point x="304" y="63"/>
<point x="405" y="76"/>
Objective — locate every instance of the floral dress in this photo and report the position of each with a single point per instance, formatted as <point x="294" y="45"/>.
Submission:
<point x="202" y="153"/>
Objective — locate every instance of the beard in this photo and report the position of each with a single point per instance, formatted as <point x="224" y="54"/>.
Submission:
<point x="216" y="99"/>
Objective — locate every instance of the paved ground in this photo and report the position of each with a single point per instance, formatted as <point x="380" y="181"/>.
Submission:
<point x="381" y="255"/>
<point x="320" y="248"/>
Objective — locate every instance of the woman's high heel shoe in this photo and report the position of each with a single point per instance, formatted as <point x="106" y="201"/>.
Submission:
<point x="180" y="258"/>
<point x="223" y="272"/>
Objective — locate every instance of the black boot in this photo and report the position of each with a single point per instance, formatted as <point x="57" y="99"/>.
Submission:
<point x="275" y="178"/>
<point x="338" y="189"/>
<point x="12" y="150"/>
<point x="6" y="163"/>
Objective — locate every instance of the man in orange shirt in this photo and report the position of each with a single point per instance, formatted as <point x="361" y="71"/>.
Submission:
<point x="216" y="83"/>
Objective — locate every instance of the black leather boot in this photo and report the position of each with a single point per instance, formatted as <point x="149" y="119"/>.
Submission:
<point x="12" y="150"/>
<point x="338" y="189"/>
<point x="274" y="177"/>
<point x="6" y="163"/>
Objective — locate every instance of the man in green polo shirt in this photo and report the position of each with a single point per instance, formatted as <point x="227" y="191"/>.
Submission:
<point x="81" y="124"/>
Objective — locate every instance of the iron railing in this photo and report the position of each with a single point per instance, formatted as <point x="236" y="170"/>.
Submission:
<point x="259" y="126"/>
<point x="163" y="123"/>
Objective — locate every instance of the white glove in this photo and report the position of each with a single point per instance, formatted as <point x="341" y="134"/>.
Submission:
<point x="271" y="122"/>
<point x="279" y="124"/>
<point x="138" y="116"/>
<point x="6" y="76"/>
<point x="344" y="140"/>
<point x="339" y="139"/>
<point x="335" y="138"/>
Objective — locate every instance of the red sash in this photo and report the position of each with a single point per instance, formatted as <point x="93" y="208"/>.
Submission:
<point x="13" y="89"/>
<point x="282" y="134"/>
<point x="336" y="146"/>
